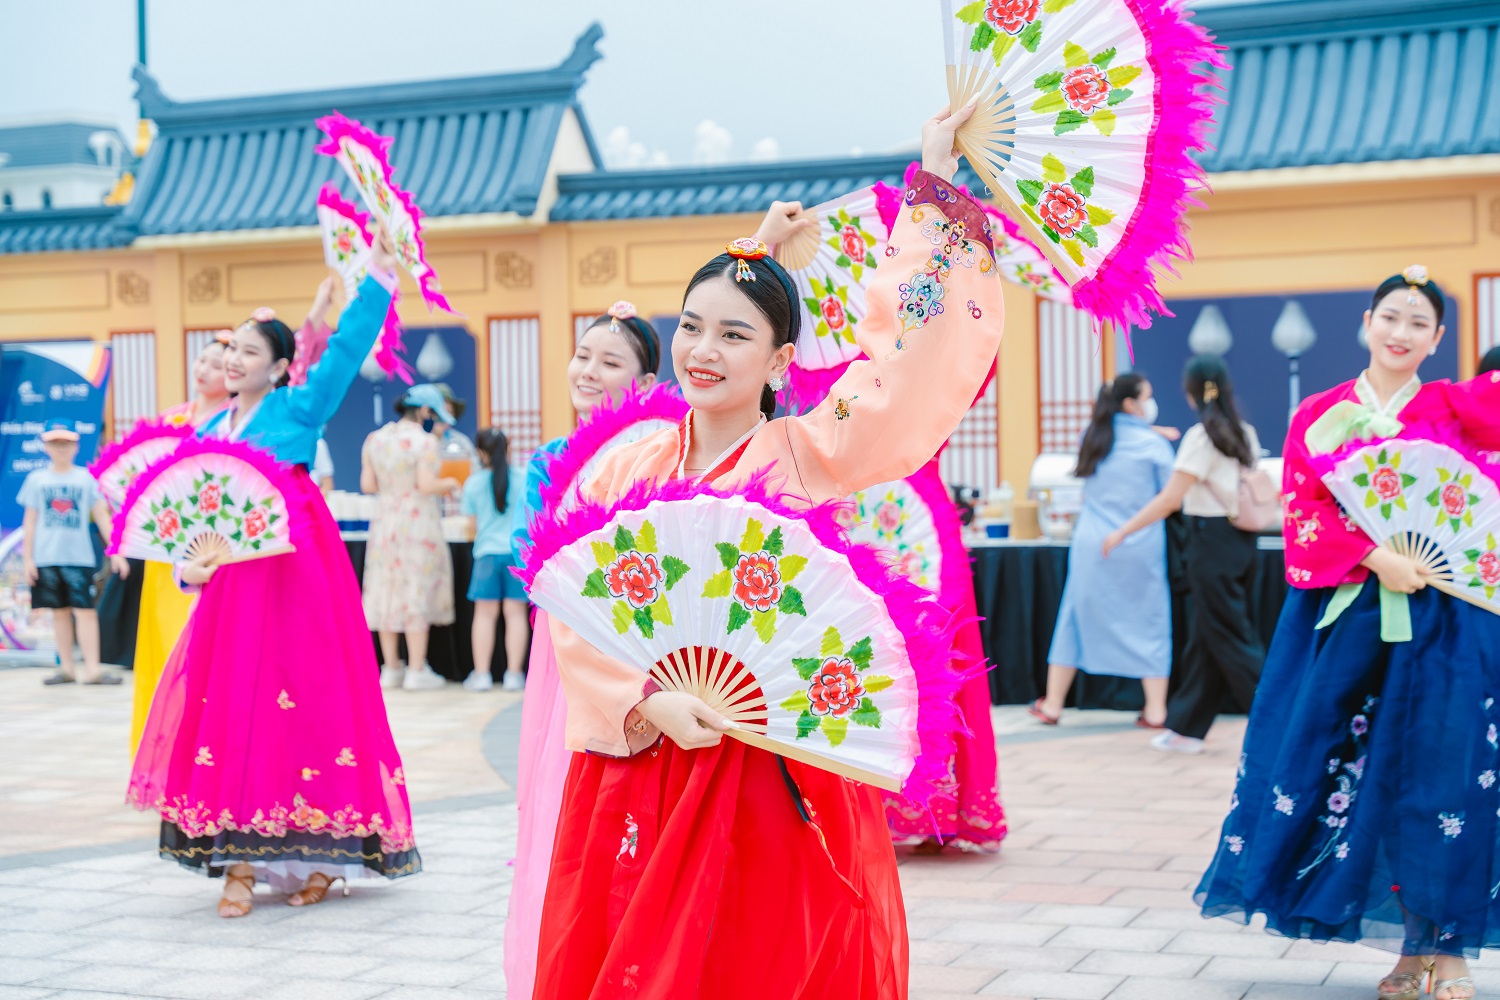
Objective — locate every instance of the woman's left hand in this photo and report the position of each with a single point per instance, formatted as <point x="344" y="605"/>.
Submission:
<point x="781" y="223"/>
<point x="120" y="566"/>
<point x="1170" y="433"/>
<point x="939" y="137"/>
<point x="1111" y="543"/>
<point x="383" y="253"/>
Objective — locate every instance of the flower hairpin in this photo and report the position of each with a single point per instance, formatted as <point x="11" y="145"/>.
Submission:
<point x="1415" y="277"/>
<point x="621" y="310"/>
<point x="745" y="249"/>
<point x="223" y="337"/>
<point x="263" y="315"/>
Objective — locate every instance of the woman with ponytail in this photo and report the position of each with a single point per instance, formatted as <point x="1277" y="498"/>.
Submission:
<point x="1116" y="615"/>
<point x="1223" y="648"/>
<point x="687" y="865"/>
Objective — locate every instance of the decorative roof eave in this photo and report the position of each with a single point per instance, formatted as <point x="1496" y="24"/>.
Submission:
<point x="1371" y="172"/>
<point x="1311" y="20"/>
<point x="486" y="222"/>
<point x="559" y="83"/>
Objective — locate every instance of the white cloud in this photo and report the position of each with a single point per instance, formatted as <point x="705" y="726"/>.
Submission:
<point x="623" y="152"/>
<point x="711" y="142"/>
<point x="766" y="149"/>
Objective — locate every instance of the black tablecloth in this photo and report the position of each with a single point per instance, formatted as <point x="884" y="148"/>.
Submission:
<point x="1019" y="589"/>
<point x="449" y="651"/>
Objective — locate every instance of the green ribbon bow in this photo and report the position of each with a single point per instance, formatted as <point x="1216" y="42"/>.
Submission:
<point x="1395" y="611"/>
<point x="1346" y="421"/>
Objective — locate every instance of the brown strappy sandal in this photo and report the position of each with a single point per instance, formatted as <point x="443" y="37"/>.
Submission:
<point x="230" y="908"/>
<point x="310" y="894"/>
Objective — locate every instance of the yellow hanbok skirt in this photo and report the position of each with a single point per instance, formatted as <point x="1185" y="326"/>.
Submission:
<point x="164" y="614"/>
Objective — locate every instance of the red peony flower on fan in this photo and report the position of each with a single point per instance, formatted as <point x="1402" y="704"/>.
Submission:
<point x="1086" y="88"/>
<point x="835" y="689"/>
<point x="635" y="577"/>
<point x="1386" y="482"/>
<point x="757" y="581"/>
<point x="1063" y="210"/>
<point x="1012" y="16"/>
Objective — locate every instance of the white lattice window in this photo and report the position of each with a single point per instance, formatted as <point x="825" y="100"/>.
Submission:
<point x="581" y="323"/>
<point x="195" y="342"/>
<point x="972" y="457"/>
<point x="1487" y="311"/>
<point x="1071" y="370"/>
<point x="134" y="379"/>
<point x="516" y="382"/>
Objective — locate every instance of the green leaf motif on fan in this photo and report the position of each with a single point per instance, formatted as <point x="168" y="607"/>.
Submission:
<point x="1483" y="568"/>
<point x="1453" y="499"/>
<point x="757" y="576"/>
<point x="1384" y="482"/>
<point x="830" y="305"/>
<point x="1084" y="91"/>
<point x="1001" y="25"/>
<point x="853" y="245"/>
<point x="1059" y="205"/>
<point x="838" y="690"/>
<point x="632" y="574"/>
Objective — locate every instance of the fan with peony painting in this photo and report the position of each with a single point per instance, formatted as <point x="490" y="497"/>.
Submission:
<point x="1087" y="115"/>
<point x="812" y="646"/>
<point x="120" y="464"/>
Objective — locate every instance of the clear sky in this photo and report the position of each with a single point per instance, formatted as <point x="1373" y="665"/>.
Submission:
<point x="681" y="81"/>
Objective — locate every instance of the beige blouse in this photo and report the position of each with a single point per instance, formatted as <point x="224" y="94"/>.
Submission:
<point x="1218" y="475"/>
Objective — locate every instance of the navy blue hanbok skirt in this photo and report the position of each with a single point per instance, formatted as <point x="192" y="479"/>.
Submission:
<point x="1368" y="807"/>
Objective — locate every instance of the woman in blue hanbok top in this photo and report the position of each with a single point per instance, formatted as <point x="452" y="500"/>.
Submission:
<point x="1116" y="616"/>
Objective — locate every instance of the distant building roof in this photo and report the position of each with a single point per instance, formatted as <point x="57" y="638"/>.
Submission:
<point x="462" y="146"/>
<point x="1318" y="82"/>
<point x="721" y="190"/>
<point x="59" y="144"/>
<point x="91" y="228"/>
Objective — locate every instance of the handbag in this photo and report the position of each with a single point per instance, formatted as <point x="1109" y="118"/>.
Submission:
<point x="1258" y="506"/>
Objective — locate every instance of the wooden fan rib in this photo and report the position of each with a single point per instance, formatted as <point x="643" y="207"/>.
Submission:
<point x="771" y="744"/>
<point x="1463" y="593"/>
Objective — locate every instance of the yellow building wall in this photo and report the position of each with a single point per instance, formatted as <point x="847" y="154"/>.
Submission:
<point x="1247" y="241"/>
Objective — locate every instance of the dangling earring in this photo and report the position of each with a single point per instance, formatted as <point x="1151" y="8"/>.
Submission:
<point x="1432" y="350"/>
<point x="777" y="383"/>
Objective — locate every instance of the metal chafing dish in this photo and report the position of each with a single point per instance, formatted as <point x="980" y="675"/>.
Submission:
<point x="1057" y="492"/>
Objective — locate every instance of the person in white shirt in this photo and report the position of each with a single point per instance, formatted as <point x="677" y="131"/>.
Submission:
<point x="1223" y="647"/>
<point x="322" y="468"/>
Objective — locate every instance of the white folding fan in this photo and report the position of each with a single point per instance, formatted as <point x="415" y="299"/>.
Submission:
<point x="209" y="497"/>
<point x="120" y="464"/>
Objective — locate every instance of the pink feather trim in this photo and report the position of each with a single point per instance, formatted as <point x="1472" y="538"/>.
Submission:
<point x="278" y="474"/>
<point x="146" y="430"/>
<point x="927" y="627"/>
<point x="390" y="348"/>
<point x="887" y="203"/>
<point x="1123" y="290"/>
<point x="1450" y="435"/>
<point x="329" y="197"/>
<point x="807" y="387"/>
<point x="608" y="421"/>
<point x="338" y="127"/>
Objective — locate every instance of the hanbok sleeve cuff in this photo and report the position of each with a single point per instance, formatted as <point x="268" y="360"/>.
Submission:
<point x="187" y="588"/>
<point x="930" y="189"/>
<point x="640" y="734"/>
<point x="388" y="280"/>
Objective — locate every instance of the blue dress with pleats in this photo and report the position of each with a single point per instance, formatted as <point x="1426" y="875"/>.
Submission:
<point x="1367" y="806"/>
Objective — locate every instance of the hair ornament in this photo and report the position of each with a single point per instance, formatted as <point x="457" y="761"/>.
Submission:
<point x="263" y="315"/>
<point x="621" y="310"/>
<point x="1415" y="276"/>
<point x="223" y="337"/>
<point x="745" y="249"/>
<point x="1210" y="391"/>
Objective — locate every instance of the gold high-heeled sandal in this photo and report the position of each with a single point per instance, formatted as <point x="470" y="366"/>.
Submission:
<point x="231" y="908"/>
<point x="1461" y="983"/>
<point x="310" y="895"/>
<point x="1405" y="985"/>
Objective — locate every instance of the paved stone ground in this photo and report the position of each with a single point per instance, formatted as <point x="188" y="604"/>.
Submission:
<point x="1089" y="899"/>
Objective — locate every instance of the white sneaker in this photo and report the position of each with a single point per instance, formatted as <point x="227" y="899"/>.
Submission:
<point x="1170" y="742"/>
<point x="422" y="678"/>
<point x="479" y="682"/>
<point x="513" y="682"/>
<point x="391" y="674"/>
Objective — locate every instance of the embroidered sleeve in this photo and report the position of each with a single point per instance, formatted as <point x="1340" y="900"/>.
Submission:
<point x="930" y="336"/>
<point x="1324" y="547"/>
<point x="1476" y="404"/>
<point x="603" y="694"/>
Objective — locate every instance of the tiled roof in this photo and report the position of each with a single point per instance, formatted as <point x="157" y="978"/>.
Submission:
<point x="57" y="144"/>
<point x="719" y="190"/>
<point x="91" y="228"/>
<point x="1318" y="82"/>
<point x="463" y="146"/>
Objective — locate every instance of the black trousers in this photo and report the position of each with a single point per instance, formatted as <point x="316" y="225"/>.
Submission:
<point x="1223" y="647"/>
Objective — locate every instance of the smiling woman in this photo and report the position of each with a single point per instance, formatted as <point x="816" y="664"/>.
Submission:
<point x="1396" y="693"/>
<point x="673" y="844"/>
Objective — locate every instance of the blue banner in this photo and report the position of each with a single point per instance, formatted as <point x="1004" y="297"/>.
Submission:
<point x="41" y="382"/>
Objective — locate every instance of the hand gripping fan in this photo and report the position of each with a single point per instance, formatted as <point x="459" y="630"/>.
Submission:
<point x="120" y="464"/>
<point x="831" y="264"/>
<point x="1086" y="118"/>
<point x="809" y="644"/>
<point x="637" y="415"/>
<point x="365" y="157"/>
<point x="208" y="497"/>
<point x="1427" y="501"/>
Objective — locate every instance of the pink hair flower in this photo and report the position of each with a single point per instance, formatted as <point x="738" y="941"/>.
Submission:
<point x="264" y="314"/>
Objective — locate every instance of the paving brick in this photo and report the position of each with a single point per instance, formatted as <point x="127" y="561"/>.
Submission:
<point x="113" y="977"/>
<point x="1132" y="879"/>
<point x="1158" y="988"/>
<point x="1031" y="892"/>
<point x="1059" y="985"/>
<point x="1113" y="938"/>
<point x="23" y="971"/>
<point x="25" y="992"/>
<point x="323" y="989"/>
<point x="950" y="979"/>
<point x="1021" y="957"/>
<point x="1283" y="991"/>
<point x="1259" y="946"/>
<point x="984" y="932"/>
<point x="1260" y="971"/>
<point x="417" y="973"/>
<point x="1141" y="963"/>
<point x="1072" y="915"/>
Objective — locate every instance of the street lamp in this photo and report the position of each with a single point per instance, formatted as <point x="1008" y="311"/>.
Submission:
<point x="1293" y="335"/>
<point x="376" y="376"/>
<point x="1210" y="333"/>
<point x="433" y="360"/>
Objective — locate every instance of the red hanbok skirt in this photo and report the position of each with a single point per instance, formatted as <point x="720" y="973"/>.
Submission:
<point x="680" y="874"/>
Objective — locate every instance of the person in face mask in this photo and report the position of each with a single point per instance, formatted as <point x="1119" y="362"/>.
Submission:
<point x="1116" y="615"/>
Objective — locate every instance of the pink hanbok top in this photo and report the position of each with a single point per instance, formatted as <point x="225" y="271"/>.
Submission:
<point x="931" y="334"/>
<point x="1323" y="547"/>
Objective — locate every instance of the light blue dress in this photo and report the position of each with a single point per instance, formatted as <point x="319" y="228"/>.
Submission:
<point x="1116" y="614"/>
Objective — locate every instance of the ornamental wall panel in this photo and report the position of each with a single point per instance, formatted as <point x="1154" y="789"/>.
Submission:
<point x="132" y="380"/>
<point x="1070" y="369"/>
<point x="515" y="382"/>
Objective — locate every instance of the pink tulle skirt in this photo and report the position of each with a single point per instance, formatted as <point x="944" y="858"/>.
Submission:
<point x="267" y="742"/>
<point x="542" y="774"/>
<point x="969" y="815"/>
